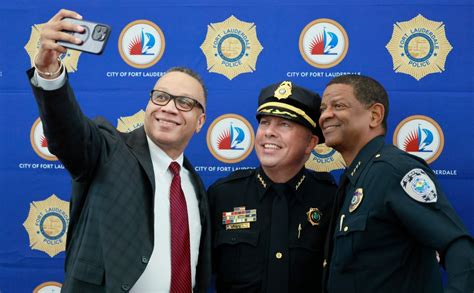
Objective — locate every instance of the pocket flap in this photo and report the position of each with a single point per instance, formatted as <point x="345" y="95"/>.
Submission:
<point x="352" y="224"/>
<point x="87" y="272"/>
<point x="233" y="237"/>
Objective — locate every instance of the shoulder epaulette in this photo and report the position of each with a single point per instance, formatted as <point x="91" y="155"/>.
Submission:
<point x="236" y="175"/>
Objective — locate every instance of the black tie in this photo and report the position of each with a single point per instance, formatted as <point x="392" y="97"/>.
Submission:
<point x="328" y="245"/>
<point x="278" y="264"/>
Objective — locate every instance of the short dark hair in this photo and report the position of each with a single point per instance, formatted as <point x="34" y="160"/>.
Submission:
<point x="367" y="90"/>
<point x="191" y="73"/>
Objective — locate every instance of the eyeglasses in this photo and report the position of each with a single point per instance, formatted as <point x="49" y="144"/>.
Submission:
<point x="182" y="103"/>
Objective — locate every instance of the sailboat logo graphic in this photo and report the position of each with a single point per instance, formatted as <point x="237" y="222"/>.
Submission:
<point x="141" y="44"/>
<point x="420" y="136"/>
<point x="418" y="140"/>
<point x="323" y="43"/>
<point x="230" y="138"/>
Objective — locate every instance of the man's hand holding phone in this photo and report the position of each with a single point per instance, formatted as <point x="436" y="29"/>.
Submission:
<point x="67" y="29"/>
<point x="93" y="37"/>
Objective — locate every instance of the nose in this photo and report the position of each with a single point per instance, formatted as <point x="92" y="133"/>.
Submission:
<point x="326" y="114"/>
<point x="170" y="107"/>
<point x="269" y="130"/>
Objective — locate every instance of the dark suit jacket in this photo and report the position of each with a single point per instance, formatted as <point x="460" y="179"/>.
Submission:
<point x="110" y="234"/>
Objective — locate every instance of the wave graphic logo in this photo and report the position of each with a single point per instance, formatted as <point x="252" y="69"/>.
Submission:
<point x="230" y="138"/>
<point x="420" y="136"/>
<point x="323" y="43"/>
<point x="141" y="44"/>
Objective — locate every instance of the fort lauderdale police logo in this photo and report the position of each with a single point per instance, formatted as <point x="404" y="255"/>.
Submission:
<point x="39" y="142"/>
<point x="231" y="47"/>
<point x="230" y="138"/>
<point x="70" y="59"/>
<point x="47" y="224"/>
<point x="130" y="123"/>
<point x="323" y="43"/>
<point x="420" y="136"/>
<point x="324" y="159"/>
<point x="419" y="47"/>
<point x="141" y="44"/>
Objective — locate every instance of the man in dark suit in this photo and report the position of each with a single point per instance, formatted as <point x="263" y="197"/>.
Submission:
<point x="126" y="203"/>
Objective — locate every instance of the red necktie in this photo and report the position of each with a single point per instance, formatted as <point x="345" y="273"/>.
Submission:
<point x="180" y="254"/>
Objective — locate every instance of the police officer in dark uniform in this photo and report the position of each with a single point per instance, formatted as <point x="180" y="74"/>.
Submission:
<point x="393" y="226"/>
<point x="269" y="224"/>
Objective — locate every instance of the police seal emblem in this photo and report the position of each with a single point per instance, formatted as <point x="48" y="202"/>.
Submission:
<point x="130" y="123"/>
<point x="419" y="47"/>
<point x="47" y="224"/>
<point x="314" y="216"/>
<point x="324" y="159"/>
<point x="231" y="47"/>
<point x="70" y="59"/>
<point x="419" y="186"/>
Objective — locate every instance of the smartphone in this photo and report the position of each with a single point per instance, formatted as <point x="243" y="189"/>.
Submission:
<point x="94" y="37"/>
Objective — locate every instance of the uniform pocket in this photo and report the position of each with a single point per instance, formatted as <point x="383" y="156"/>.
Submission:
<point x="233" y="237"/>
<point x="237" y="255"/>
<point x="344" y="245"/>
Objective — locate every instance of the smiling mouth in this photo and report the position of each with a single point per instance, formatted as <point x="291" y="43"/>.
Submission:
<point x="167" y="122"/>
<point x="330" y="127"/>
<point x="271" y="146"/>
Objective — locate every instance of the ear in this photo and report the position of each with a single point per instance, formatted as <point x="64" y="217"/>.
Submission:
<point x="200" y="122"/>
<point x="377" y="113"/>
<point x="313" y="142"/>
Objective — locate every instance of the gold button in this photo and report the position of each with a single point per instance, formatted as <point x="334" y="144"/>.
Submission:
<point x="278" y="255"/>
<point x="346" y="228"/>
<point x="325" y="263"/>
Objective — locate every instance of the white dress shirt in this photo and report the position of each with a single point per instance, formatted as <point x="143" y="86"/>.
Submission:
<point x="157" y="275"/>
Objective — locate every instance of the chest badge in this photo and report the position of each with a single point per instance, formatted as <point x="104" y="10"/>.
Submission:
<point x="356" y="199"/>
<point x="239" y="218"/>
<point x="314" y="216"/>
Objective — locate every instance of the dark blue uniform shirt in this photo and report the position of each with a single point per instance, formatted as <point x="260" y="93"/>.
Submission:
<point x="393" y="220"/>
<point x="242" y="253"/>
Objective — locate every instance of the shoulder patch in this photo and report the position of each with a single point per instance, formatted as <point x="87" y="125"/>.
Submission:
<point x="419" y="186"/>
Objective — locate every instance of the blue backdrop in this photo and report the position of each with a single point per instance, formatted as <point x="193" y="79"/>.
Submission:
<point x="420" y="51"/>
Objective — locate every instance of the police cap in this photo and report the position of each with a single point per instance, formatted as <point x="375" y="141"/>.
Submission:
<point x="291" y="102"/>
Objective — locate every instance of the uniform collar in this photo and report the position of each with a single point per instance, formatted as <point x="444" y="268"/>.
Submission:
<point x="363" y="158"/>
<point x="264" y="183"/>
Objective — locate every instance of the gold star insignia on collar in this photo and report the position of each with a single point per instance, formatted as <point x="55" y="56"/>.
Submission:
<point x="260" y="178"/>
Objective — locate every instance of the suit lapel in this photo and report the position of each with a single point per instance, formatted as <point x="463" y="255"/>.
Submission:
<point x="138" y="144"/>
<point x="195" y="177"/>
